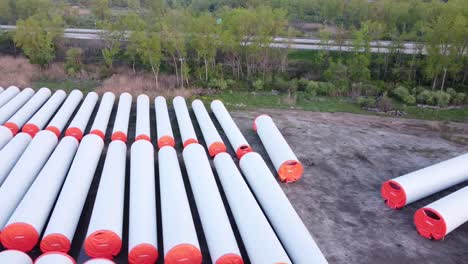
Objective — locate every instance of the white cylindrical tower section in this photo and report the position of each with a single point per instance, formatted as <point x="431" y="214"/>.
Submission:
<point x="443" y="216"/>
<point x="15" y="256"/>
<point x="5" y="136"/>
<point x="24" y="172"/>
<point x="99" y="261"/>
<point x="10" y="108"/>
<point x="55" y="258"/>
<point x="66" y="214"/>
<point x="237" y="140"/>
<point x="10" y="154"/>
<point x="212" y="138"/>
<point x="17" y="121"/>
<point x="40" y="119"/>
<point x="57" y="124"/>
<point x="29" y="218"/>
<point x="259" y="239"/>
<point x="288" y="167"/>
<point x="142" y="235"/>
<point x="216" y="226"/>
<point x="180" y="237"/>
<point x="104" y="236"/>
<point x="81" y="119"/>
<point x="187" y="132"/>
<point x="411" y="187"/>
<point x="286" y="222"/>
<point x="101" y="120"/>
<point x="122" y="117"/>
<point x="163" y="123"/>
<point x="8" y="94"/>
<point x="142" y="131"/>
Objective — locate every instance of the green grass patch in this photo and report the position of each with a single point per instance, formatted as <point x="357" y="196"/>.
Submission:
<point x="68" y="85"/>
<point x="306" y="55"/>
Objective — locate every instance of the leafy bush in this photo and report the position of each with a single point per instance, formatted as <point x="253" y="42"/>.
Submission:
<point x="326" y="88"/>
<point x="417" y="90"/>
<point x="401" y="93"/>
<point x="452" y="92"/>
<point x="442" y="99"/>
<point x="73" y="63"/>
<point x="258" y="84"/>
<point x="426" y="97"/>
<point x="458" y="99"/>
<point x="368" y="102"/>
<point x="312" y="88"/>
<point x="409" y="100"/>
<point x="302" y="84"/>
<point x="219" y="84"/>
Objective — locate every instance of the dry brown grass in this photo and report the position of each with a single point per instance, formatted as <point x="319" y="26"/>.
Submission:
<point x="143" y="83"/>
<point x="16" y="71"/>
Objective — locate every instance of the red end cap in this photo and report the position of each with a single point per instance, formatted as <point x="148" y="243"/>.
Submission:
<point x="290" y="171"/>
<point x="166" y="141"/>
<point x="19" y="236"/>
<point x="143" y="254"/>
<point x="12" y="126"/>
<point x="242" y="150"/>
<point x="31" y="129"/>
<point x="55" y="242"/>
<point x="393" y="194"/>
<point x="255" y="121"/>
<point x="184" y="253"/>
<point x="430" y="223"/>
<point x="143" y="137"/>
<point x="119" y="136"/>
<point x="216" y="148"/>
<point x="56" y="253"/>
<point x="98" y="133"/>
<point x="190" y="141"/>
<point x="74" y="132"/>
<point x="230" y="259"/>
<point x="103" y="244"/>
<point x="54" y="130"/>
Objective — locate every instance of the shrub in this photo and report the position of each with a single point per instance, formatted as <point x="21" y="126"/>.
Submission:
<point x="258" y="84"/>
<point x="302" y="84"/>
<point x="452" y="92"/>
<point x="458" y="99"/>
<point x="368" y="102"/>
<point x="409" y="100"/>
<point x="442" y="99"/>
<point x="312" y="88"/>
<point x="385" y="103"/>
<point x="326" y="88"/>
<point x="219" y="84"/>
<point x="73" y="63"/>
<point x="426" y="97"/>
<point x="401" y="93"/>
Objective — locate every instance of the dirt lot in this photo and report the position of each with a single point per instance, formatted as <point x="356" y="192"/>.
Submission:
<point x="346" y="158"/>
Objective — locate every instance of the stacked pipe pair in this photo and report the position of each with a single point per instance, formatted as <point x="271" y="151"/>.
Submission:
<point x="8" y="94"/>
<point x="441" y="217"/>
<point x="18" y="257"/>
<point x="29" y="218"/>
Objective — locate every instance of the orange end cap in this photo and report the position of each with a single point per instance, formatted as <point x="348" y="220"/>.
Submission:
<point x="430" y="223"/>
<point x="31" y="129"/>
<point x="57" y="253"/>
<point x="393" y="194"/>
<point x="12" y="126"/>
<point x="190" y="141"/>
<point x="54" y="130"/>
<point x="119" y="136"/>
<point x="74" y="132"/>
<point x="255" y="121"/>
<point x="242" y="150"/>
<point x="103" y="244"/>
<point x="143" y="254"/>
<point x="290" y="171"/>
<point x="55" y="242"/>
<point x="98" y="133"/>
<point x="166" y="141"/>
<point x="143" y="137"/>
<point x="19" y="236"/>
<point x="230" y="259"/>
<point x="216" y="148"/>
<point x="184" y="253"/>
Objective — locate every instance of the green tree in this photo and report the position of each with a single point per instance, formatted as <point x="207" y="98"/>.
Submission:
<point x="149" y="50"/>
<point x="100" y="8"/>
<point x="204" y="40"/>
<point x="73" y="62"/>
<point x="37" y="35"/>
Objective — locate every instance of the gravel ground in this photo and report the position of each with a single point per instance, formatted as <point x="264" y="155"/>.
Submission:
<point x="346" y="158"/>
